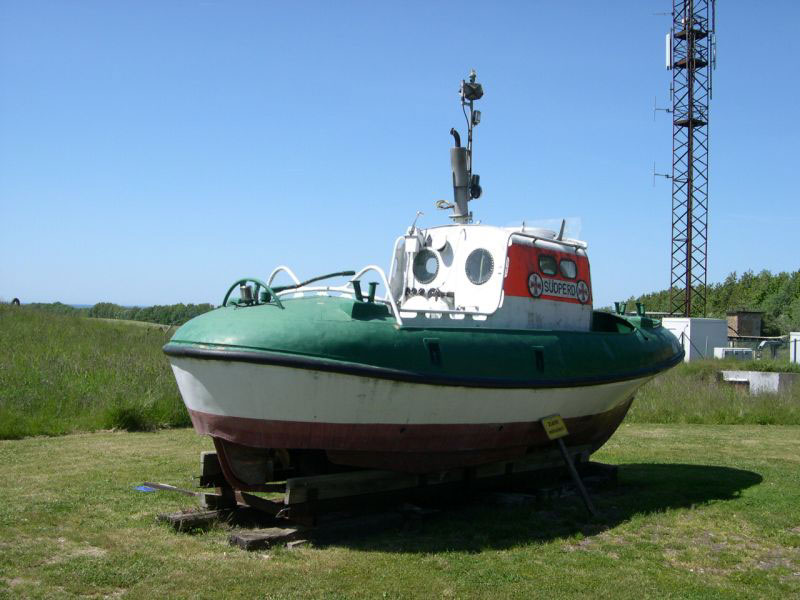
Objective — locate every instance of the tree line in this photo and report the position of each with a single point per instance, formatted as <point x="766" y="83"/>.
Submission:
<point x="170" y="314"/>
<point x="778" y="296"/>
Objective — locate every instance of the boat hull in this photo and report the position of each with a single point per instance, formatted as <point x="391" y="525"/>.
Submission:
<point x="379" y="422"/>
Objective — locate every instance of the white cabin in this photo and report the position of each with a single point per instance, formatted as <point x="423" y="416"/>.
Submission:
<point x="482" y="276"/>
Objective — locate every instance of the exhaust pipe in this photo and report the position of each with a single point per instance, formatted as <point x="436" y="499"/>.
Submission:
<point x="458" y="163"/>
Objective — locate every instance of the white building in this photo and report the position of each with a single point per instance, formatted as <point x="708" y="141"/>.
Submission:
<point x="698" y="336"/>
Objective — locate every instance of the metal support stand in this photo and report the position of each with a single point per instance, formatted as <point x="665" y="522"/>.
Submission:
<point x="576" y="478"/>
<point x="556" y="429"/>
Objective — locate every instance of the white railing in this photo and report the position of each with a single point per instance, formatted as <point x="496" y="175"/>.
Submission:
<point x="282" y="269"/>
<point x="349" y="290"/>
<point x="435" y="313"/>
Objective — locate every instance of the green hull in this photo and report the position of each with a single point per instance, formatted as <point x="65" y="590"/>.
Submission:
<point x="340" y="334"/>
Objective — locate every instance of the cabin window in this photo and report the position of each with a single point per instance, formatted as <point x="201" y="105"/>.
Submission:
<point x="479" y="266"/>
<point x="547" y="264"/>
<point x="568" y="268"/>
<point x="426" y="266"/>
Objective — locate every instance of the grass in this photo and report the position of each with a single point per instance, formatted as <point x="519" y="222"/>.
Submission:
<point x="60" y="374"/>
<point x="701" y="512"/>
<point x="64" y="374"/>
<point x="765" y="365"/>
<point x="690" y="393"/>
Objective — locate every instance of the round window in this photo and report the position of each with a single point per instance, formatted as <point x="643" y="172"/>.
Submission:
<point x="479" y="266"/>
<point x="426" y="265"/>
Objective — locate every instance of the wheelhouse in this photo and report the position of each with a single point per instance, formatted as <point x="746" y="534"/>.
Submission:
<point x="475" y="275"/>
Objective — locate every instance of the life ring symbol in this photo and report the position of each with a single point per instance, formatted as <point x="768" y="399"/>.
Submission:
<point x="583" y="292"/>
<point x="535" y="285"/>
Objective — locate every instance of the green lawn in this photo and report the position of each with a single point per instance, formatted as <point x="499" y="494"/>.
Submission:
<point x="60" y="374"/>
<point x="691" y="393"/>
<point x="702" y="511"/>
<point x="64" y="374"/>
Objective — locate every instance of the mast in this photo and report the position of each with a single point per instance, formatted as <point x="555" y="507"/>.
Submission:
<point x="691" y="57"/>
<point x="466" y="185"/>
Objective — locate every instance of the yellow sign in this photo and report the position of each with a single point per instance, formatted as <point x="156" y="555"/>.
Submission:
<point x="554" y="426"/>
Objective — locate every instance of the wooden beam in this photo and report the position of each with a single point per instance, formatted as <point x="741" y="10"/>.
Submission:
<point x="257" y="539"/>
<point x="300" y="490"/>
<point x="339" y="485"/>
<point x="196" y="519"/>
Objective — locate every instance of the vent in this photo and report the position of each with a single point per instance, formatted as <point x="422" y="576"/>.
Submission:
<point x="538" y="358"/>
<point x="434" y="351"/>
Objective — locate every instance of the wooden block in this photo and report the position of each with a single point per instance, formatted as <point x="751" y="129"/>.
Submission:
<point x="209" y="464"/>
<point x="302" y="490"/>
<point x="257" y="539"/>
<point x="339" y="485"/>
<point x="197" y="519"/>
<point x="211" y="472"/>
<point x="210" y="481"/>
<point x="296" y="544"/>
<point x="217" y="501"/>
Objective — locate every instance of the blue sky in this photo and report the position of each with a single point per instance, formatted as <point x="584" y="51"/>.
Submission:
<point x="154" y="152"/>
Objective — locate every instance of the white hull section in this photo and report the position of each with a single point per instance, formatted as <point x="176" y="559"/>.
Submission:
<point x="278" y="393"/>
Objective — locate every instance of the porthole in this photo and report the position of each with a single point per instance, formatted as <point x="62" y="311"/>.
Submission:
<point x="426" y="266"/>
<point x="479" y="266"/>
<point x="547" y="264"/>
<point x="568" y="268"/>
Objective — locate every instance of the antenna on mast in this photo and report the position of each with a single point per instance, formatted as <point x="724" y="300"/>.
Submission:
<point x="664" y="175"/>
<point x="657" y="108"/>
<point x="466" y="185"/>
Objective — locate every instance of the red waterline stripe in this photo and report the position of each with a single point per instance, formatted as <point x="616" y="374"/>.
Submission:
<point x="381" y="437"/>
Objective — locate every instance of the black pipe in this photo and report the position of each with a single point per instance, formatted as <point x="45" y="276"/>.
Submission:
<point x="456" y="137"/>
<point x="312" y="280"/>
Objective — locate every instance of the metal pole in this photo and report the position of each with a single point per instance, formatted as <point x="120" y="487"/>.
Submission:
<point x="576" y="478"/>
<point x="690" y="65"/>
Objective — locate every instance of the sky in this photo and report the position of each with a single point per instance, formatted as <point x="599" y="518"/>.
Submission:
<point x="155" y="152"/>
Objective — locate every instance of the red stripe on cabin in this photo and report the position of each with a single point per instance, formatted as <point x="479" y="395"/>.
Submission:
<point x="524" y="261"/>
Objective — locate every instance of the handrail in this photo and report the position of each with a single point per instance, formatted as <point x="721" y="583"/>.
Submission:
<point x="305" y="283"/>
<point x="286" y="270"/>
<point x="259" y="285"/>
<point x="577" y="244"/>
<point x="446" y="311"/>
<point x="348" y="288"/>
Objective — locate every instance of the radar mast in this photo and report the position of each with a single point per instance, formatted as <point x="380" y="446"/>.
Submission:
<point x="466" y="185"/>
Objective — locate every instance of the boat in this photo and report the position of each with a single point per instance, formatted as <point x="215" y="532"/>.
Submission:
<point x="480" y="332"/>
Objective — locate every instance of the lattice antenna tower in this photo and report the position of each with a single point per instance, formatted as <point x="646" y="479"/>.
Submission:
<point x="691" y="56"/>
